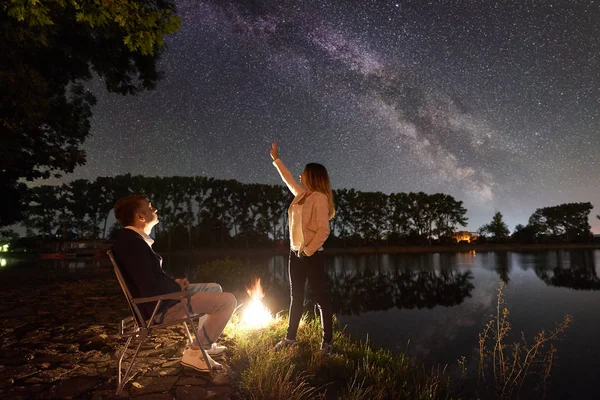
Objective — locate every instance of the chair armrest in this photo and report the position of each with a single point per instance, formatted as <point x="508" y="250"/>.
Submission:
<point x="168" y="296"/>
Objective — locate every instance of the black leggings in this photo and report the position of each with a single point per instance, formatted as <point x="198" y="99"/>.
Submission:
<point x="313" y="269"/>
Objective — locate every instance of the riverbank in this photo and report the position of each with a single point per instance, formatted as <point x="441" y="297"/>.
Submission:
<point x="463" y="248"/>
<point x="457" y="248"/>
<point x="214" y="253"/>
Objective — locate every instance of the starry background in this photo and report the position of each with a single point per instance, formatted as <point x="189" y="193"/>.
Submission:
<point x="495" y="103"/>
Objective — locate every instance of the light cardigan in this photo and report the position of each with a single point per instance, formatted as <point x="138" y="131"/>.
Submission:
<point x="315" y="212"/>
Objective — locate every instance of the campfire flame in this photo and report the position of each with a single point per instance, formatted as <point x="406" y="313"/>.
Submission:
<point x="256" y="315"/>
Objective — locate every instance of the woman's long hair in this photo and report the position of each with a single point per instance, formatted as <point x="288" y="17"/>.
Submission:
<point x="317" y="180"/>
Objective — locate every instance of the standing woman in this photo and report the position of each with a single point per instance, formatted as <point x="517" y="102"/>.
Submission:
<point x="309" y="215"/>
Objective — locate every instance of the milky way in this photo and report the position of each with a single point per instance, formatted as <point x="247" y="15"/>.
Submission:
<point x="495" y="104"/>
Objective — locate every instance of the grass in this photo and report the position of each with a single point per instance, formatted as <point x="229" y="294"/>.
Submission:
<point x="355" y="371"/>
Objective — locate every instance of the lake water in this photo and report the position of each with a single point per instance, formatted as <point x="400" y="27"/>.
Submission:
<point x="434" y="305"/>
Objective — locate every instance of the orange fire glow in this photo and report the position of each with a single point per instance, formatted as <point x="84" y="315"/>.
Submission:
<point x="256" y="315"/>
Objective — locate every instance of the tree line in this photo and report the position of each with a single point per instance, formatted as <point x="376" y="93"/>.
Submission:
<point x="568" y="223"/>
<point x="198" y="212"/>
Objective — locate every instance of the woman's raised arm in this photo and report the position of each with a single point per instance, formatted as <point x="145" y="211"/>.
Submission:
<point x="285" y="173"/>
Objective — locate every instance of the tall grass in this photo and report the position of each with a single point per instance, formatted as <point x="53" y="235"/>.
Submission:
<point x="354" y="371"/>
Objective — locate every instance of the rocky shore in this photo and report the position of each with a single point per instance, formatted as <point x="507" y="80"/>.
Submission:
<point x="59" y="336"/>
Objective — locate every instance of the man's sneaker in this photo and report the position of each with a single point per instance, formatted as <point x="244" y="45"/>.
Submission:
<point x="216" y="350"/>
<point x="193" y="359"/>
<point x="326" y="349"/>
<point x="284" y="343"/>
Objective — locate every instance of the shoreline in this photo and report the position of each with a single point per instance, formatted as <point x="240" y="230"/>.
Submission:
<point x="271" y="251"/>
<point x="463" y="248"/>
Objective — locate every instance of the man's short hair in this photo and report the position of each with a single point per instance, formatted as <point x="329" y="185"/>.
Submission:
<point x="126" y="207"/>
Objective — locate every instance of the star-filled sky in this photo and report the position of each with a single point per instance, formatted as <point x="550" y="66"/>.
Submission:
<point x="495" y="103"/>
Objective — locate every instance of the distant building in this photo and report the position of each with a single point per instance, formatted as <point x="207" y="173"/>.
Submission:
<point x="56" y="249"/>
<point x="465" y="236"/>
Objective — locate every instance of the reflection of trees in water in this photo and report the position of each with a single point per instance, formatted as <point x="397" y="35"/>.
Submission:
<point x="502" y="266"/>
<point x="575" y="271"/>
<point x="499" y="262"/>
<point x="359" y="292"/>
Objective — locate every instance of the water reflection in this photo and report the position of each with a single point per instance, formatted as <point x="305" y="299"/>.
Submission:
<point x="503" y="266"/>
<point x="371" y="290"/>
<point x="574" y="270"/>
<point x="500" y="262"/>
<point x="377" y="282"/>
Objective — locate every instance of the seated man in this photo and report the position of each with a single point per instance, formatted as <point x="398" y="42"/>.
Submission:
<point x="142" y="269"/>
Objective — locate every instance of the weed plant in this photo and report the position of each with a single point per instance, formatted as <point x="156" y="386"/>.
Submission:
<point x="503" y="366"/>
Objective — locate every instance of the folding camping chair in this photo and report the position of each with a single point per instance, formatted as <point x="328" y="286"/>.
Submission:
<point x="136" y="326"/>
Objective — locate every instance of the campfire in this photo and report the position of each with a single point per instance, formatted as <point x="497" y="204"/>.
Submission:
<point x="256" y="315"/>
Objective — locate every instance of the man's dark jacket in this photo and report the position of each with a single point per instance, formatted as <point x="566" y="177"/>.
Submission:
<point x="141" y="268"/>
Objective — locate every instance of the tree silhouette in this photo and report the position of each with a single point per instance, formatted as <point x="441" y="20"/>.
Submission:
<point x="564" y="222"/>
<point x="345" y="200"/>
<point x="49" y="49"/>
<point x="400" y="223"/>
<point x="79" y="206"/>
<point x="448" y="214"/>
<point x="43" y="205"/>
<point x="370" y="216"/>
<point x="497" y="228"/>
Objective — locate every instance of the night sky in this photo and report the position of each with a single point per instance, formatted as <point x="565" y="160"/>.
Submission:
<point x="495" y="103"/>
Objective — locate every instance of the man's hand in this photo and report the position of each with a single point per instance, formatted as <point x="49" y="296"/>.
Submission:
<point x="183" y="283"/>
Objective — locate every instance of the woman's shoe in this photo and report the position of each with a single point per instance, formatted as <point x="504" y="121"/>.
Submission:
<point x="283" y="344"/>
<point x="326" y="349"/>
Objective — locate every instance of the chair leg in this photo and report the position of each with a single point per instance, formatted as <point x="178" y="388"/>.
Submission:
<point x="119" y="374"/>
<point x="187" y="330"/>
<point x="197" y="335"/>
<point x="123" y="378"/>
